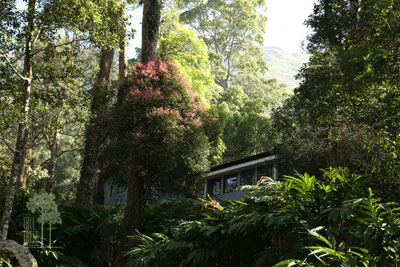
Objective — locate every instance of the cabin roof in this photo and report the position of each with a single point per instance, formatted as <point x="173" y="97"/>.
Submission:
<point x="240" y="163"/>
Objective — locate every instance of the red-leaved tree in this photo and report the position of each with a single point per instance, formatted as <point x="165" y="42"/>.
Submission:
<point x="161" y="135"/>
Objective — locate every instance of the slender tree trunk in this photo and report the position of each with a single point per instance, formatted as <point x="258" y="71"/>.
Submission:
<point x="53" y="160"/>
<point x="22" y="177"/>
<point x="95" y="136"/>
<point x="99" y="197"/>
<point x="122" y="61"/>
<point x="150" y="29"/>
<point x="21" y="150"/>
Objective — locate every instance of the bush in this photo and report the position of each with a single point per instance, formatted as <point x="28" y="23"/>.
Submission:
<point x="331" y="221"/>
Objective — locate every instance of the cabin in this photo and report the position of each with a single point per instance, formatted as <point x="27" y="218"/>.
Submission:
<point x="223" y="181"/>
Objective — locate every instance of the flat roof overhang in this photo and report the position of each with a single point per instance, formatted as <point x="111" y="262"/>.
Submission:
<point x="227" y="167"/>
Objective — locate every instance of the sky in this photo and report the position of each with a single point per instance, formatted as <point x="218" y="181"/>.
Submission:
<point x="284" y="27"/>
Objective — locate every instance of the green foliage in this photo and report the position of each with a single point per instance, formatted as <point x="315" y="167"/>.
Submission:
<point x="5" y="261"/>
<point x="63" y="38"/>
<point x="88" y="237"/>
<point x="233" y="32"/>
<point x="181" y="44"/>
<point x="248" y="129"/>
<point x="5" y="164"/>
<point x="332" y="220"/>
<point x="342" y="112"/>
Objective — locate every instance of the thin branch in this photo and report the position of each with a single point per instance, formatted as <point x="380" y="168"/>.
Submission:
<point x="38" y="33"/>
<point x="59" y="155"/>
<point x="14" y="69"/>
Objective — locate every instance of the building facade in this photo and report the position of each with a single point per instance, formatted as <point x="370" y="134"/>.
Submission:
<point x="223" y="181"/>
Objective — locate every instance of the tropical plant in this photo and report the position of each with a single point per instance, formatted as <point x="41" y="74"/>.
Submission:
<point x="332" y="220"/>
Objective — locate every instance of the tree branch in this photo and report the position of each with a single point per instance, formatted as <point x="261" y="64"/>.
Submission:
<point x="60" y="154"/>
<point x="12" y="67"/>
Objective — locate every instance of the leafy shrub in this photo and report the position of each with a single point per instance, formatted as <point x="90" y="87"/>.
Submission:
<point x="303" y="221"/>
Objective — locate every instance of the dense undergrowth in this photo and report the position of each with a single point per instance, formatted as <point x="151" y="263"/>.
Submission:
<point x="302" y="221"/>
<point x="334" y="220"/>
<point x="84" y="238"/>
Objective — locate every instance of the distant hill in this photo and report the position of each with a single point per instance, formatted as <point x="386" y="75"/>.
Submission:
<point x="283" y="66"/>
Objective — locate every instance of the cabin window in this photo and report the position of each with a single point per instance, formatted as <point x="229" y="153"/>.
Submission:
<point x="264" y="171"/>
<point x="214" y="187"/>
<point x="230" y="183"/>
<point x="247" y="177"/>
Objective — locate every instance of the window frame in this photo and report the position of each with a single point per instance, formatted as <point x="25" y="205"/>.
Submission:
<point x="210" y="190"/>
<point x="253" y="176"/>
<point x="231" y="176"/>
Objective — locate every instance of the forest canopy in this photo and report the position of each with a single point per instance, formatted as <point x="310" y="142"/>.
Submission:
<point x="77" y="116"/>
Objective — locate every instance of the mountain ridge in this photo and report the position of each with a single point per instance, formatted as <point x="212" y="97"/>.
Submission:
<point x="283" y="66"/>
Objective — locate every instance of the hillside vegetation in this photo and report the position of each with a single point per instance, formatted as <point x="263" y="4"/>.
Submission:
<point x="283" y="66"/>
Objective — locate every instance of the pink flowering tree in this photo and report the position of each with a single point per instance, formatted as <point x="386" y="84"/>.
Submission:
<point x="162" y="135"/>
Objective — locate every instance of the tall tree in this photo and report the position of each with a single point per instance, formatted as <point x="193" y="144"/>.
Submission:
<point x="180" y="43"/>
<point x="352" y="82"/>
<point x="25" y="77"/>
<point x="122" y="57"/>
<point x="59" y="101"/>
<point x="91" y="182"/>
<point x="233" y="32"/>
<point x="38" y="34"/>
<point x="161" y="136"/>
<point x="136" y="195"/>
<point x="95" y="135"/>
<point x="150" y="29"/>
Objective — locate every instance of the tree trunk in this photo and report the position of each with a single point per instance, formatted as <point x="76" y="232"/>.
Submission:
<point x="23" y="172"/>
<point x="134" y="211"/>
<point x="150" y="29"/>
<point x="122" y="61"/>
<point x="95" y="136"/>
<point x="21" y="150"/>
<point x="135" y="203"/>
<point x="53" y="160"/>
<point x="136" y="195"/>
